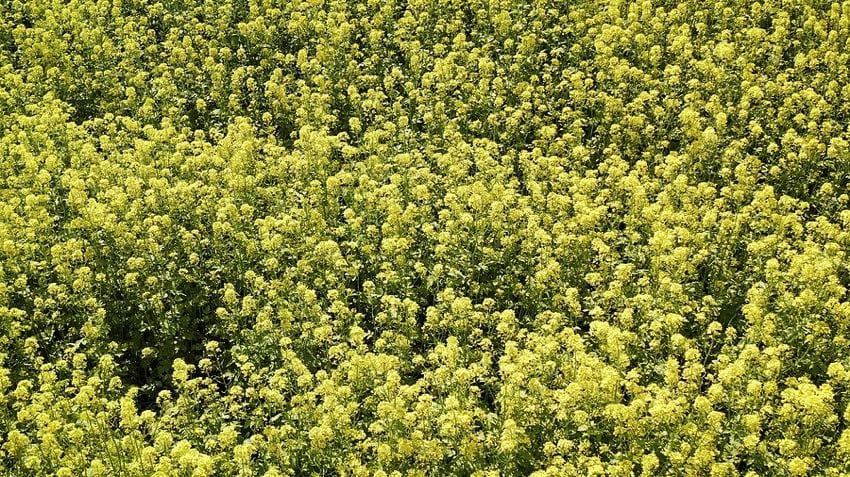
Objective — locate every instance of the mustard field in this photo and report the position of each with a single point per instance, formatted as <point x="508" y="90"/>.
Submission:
<point x="394" y="238"/>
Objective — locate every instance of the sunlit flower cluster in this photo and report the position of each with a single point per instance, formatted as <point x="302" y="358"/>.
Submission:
<point x="395" y="238"/>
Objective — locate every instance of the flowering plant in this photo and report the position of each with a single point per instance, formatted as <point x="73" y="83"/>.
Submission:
<point x="424" y="238"/>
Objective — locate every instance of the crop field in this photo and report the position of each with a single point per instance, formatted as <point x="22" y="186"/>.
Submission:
<point x="416" y="238"/>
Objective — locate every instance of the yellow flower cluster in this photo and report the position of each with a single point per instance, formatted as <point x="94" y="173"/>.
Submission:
<point x="422" y="238"/>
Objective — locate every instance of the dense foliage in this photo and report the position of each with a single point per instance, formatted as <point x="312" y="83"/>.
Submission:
<point x="424" y="237"/>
